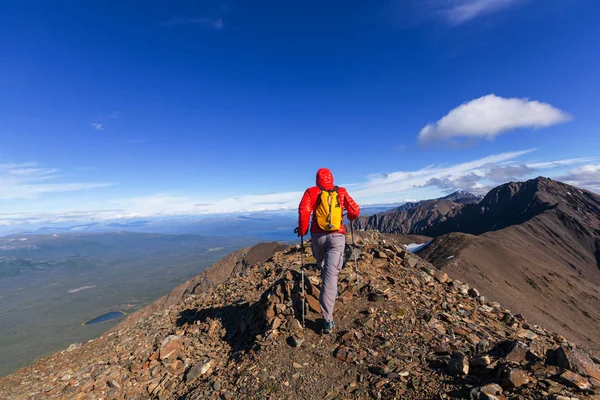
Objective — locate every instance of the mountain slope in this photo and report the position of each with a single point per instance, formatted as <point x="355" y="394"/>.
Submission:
<point x="537" y="252"/>
<point x="416" y="218"/>
<point x="218" y="273"/>
<point x="51" y="284"/>
<point x="406" y="332"/>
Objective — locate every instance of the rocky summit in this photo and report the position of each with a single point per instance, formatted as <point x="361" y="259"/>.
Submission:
<point x="403" y="330"/>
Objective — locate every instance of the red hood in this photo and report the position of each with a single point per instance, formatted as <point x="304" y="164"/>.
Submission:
<point x="325" y="179"/>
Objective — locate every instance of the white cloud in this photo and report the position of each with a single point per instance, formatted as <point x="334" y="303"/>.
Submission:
<point x="562" y="163"/>
<point x="30" y="180"/>
<point x="458" y="12"/>
<point x="489" y="116"/>
<point x="493" y="174"/>
<point x="587" y="177"/>
<point x="98" y="126"/>
<point x="395" y="182"/>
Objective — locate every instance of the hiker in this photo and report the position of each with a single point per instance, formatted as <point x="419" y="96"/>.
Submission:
<point x="327" y="203"/>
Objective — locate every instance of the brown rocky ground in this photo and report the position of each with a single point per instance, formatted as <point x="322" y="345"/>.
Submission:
<point x="536" y="251"/>
<point x="406" y="330"/>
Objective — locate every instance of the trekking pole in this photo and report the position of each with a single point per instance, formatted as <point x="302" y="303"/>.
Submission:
<point x="302" y="269"/>
<point x="354" y="253"/>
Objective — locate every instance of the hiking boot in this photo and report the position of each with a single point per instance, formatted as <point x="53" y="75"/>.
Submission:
<point x="327" y="327"/>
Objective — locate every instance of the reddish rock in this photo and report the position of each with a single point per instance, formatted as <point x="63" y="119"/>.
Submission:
<point x="575" y="360"/>
<point x="341" y="353"/>
<point x="574" y="380"/>
<point x="511" y="378"/>
<point x="313" y="303"/>
<point x="169" y="347"/>
<point x="517" y="354"/>
<point x="441" y="276"/>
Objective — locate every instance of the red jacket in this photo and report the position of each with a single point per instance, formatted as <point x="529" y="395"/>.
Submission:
<point x="309" y="203"/>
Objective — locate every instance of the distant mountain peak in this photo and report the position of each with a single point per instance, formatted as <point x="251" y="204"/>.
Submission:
<point x="462" y="197"/>
<point x="514" y="203"/>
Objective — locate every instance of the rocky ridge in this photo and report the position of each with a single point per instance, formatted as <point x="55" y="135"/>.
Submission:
<point x="418" y="217"/>
<point x="403" y="330"/>
<point x="533" y="246"/>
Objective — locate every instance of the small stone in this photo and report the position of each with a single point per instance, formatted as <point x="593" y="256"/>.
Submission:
<point x="516" y="355"/>
<point x="293" y="325"/>
<point x="491" y="388"/>
<point x="296" y="340"/>
<point x="348" y="336"/>
<point x="153" y="385"/>
<point x="341" y="353"/>
<point x="297" y="366"/>
<point x="269" y="314"/>
<point x="441" y="276"/>
<point x="441" y="350"/>
<point x="279" y="308"/>
<point x="486" y="308"/>
<point x="276" y="323"/>
<point x="574" y="380"/>
<point x="481" y="361"/>
<point x="169" y="347"/>
<point x="313" y="303"/>
<point x="473" y="292"/>
<point x="216" y="385"/>
<point x="410" y="261"/>
<point x="114" y="384"/>
<point x="526" y="334"/>
<point x="511" y="378"/>
<point x="458" y="364"/>
<point x="487" y="392"/>
<point x="199" y="369"/>
<point x="379" y="370"/>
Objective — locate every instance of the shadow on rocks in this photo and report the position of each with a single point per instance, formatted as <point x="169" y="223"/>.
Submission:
<point x="237" y="324"/>
<point x="245" y="326"/>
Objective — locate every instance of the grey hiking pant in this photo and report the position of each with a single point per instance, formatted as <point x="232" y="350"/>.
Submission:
<point x="328" y="249"/>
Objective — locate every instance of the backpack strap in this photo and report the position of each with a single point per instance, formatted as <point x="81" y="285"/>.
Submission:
<point x="335" y="189"/>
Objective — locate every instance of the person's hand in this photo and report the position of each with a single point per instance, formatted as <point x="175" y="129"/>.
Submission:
<point x="297" y="231"/>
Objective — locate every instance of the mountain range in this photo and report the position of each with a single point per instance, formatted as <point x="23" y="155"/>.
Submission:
<point x="416" y="217"/>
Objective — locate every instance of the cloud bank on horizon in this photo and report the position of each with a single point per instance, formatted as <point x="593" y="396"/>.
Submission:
<point x="477" y="176"/>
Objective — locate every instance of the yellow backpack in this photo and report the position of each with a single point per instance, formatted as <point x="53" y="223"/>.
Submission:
<point x="328" y="213"/>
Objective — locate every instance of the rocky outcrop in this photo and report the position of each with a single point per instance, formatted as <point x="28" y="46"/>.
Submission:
<point x="403" y="330"/>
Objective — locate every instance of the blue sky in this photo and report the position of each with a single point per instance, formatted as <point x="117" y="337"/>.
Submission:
<point x="116" y="109"/>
